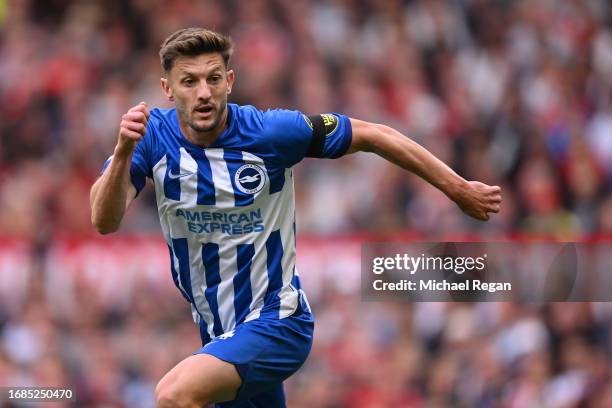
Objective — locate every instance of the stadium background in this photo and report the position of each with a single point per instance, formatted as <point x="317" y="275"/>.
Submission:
<point x="516" y="93"/>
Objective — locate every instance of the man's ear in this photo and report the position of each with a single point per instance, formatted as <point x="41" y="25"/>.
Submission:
<point x="230" y="80"/>
<point x="166" y="88"/>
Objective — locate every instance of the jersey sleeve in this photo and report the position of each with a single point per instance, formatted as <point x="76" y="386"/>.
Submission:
<point x="141" y="167"/>
<point x="294" y="135"/>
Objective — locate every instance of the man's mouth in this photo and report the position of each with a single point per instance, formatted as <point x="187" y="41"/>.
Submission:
<point x="204" y="109"/>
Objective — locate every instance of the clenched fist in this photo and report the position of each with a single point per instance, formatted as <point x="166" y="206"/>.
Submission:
<point x="478" y="200"/>
<point x="132" y="129"/>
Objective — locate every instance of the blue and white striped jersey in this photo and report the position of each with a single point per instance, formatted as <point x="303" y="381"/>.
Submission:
<point x="228" y="212"/>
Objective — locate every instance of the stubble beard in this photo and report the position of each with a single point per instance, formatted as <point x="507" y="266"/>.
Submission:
<point x="213" y="125"/>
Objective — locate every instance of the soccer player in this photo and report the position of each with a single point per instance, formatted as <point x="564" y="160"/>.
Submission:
<point x="224" y="186"/>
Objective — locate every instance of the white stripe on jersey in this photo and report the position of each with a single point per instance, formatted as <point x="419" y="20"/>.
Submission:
<point x="189" y="184"/>
<point x="189" y="193"/>
<point x="224" y="191"/>
<point x="195" y="314"/>
<point x="259" y="281"/>
<point x="198" y="288"/>
<point x="288" y="295"/>
<point x="159" y="173"/>
<point x="225" y="290"/>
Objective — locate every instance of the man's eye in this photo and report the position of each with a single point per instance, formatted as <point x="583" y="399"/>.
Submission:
<point x="188" y="81"/>
<point x="215" y="78"/>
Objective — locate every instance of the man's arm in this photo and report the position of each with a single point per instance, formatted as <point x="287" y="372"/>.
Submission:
<point x="474" y="198"/>
<point x="113" y="192"/>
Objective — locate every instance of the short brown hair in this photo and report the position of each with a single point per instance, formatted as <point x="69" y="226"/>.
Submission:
<point x="194" y="41"/>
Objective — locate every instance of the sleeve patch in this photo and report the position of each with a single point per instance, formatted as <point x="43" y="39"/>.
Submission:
<point x="331" y="123"/>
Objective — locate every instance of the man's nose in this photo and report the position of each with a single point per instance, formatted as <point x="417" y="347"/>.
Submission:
<point x="203" y="91"/>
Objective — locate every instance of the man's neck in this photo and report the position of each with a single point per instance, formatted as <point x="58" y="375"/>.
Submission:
<point x="204" y="139"/>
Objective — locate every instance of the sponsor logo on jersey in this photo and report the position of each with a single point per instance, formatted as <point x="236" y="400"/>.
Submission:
<point x="250" y="178"/>
<point x="230" y="223"/>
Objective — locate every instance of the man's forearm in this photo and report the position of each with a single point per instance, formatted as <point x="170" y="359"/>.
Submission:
<point x="113" y="192"/>
<point x="109" y="195"/>
<point x="408" y="154"/>
<point x="474" y="198"/>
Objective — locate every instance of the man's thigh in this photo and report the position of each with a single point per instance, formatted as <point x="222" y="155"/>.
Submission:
<point x="265" y="353"/>
<point x="244" y="365"/>
<point x="200" y="379"/>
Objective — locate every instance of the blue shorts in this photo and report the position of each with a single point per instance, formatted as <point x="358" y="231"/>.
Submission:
<point x="265" y="352"/>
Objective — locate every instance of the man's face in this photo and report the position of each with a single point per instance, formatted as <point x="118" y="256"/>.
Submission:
<point x="199" y="87"/>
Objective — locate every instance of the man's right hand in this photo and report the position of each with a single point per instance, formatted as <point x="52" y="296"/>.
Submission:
<point x="132" y="129"/>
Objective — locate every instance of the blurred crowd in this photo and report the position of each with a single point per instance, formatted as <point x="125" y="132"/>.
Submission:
<point x="514" y="93"/>
<point x="111" y="351"/>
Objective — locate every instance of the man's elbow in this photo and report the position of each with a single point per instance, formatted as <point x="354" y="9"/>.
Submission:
<point x="375" y="137"/>
<point x="106" y="230"/>
<point x="103" y="227"/>
<point x="367" y="136"/>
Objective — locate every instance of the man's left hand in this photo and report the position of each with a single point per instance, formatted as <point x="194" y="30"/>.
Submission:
<point x="477" y="199"/>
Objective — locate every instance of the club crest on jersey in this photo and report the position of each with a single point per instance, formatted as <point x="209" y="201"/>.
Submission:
<point x="250" y="178"/>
